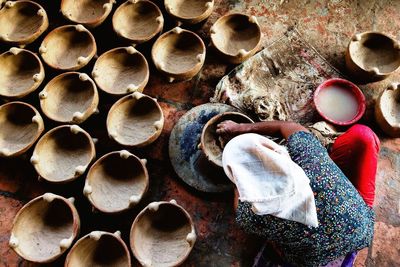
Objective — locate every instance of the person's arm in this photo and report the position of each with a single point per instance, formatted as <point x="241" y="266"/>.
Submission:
<point x="272" y="128"/>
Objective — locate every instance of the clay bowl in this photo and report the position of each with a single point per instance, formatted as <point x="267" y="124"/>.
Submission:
<point x="90" y="13"/>
<point x="21" y="125"/>
<point x="68" y="47"/>
<point x="372" y="56"/>
<point x="116" y="182"/>
<point x="135" y="120"/>
<point x="70" y="97"/>
<point x="162" y="234"/>
<point x="21" y="72"/>
<point x="63" y="154"/>
<point x="22" y="22"/>
<point x="179" y="54"/>
<point x="45" y="228"/>
<point x="99" y="249"/>
<point x="387" y="110"/>
<point x="236" y="37"/>
<point x="189" y="11"/>
<point x="212" y="143"/>
<point x="120" y="71"/>
<point x="138" y="21"/>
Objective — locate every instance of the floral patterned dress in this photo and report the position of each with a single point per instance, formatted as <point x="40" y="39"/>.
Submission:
<point x="346" y="223"/>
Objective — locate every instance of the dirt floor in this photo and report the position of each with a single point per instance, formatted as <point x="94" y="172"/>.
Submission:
<point x="326" y="25"/>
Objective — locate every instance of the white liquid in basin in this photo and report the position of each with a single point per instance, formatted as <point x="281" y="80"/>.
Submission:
<point x="337" y="103"/>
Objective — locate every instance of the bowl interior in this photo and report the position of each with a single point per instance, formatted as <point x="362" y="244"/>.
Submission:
<point x="212" y="143"/>
<point x="65" y="45"/>
<point x="60" y="152"/>
<point x="67" y="94"/>
<point x="84" y="11"/>
<point x="117" y="69"/>
<point x="160" y="236"/>
<point x="20" y="21"/>
<point x="17" y="73"/>
<point x="114" y="180"/>
<point x="375" y="50"/>
<point x="187" y="8"/>
<point x="137" y="21"/>
<point x="133" y="121"/>
<point x="390" y="106"/>
<point x="107" y="251"/>
<point x="41" y="226"/>
<point x="235" y="32"/>
<point x="178" y="52"/>
<point x="17" y="129"/>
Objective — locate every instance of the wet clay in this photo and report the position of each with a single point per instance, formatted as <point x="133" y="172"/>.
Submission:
<point x="190" y="11"/>
<point x="162" y="235"/>
<point x="69" y="47"/>
<point x="99" y="249"/>
<point x="138" y="21"/>
<point x="135" y="120"/>
<point x="21" y="72"/>
<point x="69" y="98"/>
<point x="179" y="54"/>
<point x="21" y="125"/>
<point x="90" y="13"/>
<point x="116" y="182"/>
<point x="63" y="154"/>
<point x="44" y="228"/>
<point x="121" y="71"/>
<point x="387" y="110"/>
<point x="22" y="22"/>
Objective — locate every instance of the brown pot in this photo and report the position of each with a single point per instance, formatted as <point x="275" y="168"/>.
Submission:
<point x="162" y="234"/>
<point x="21" y="125"/>
<point x="45" y="228"/>
<point x="387" y="110"/>
<point x="189" y="11"/>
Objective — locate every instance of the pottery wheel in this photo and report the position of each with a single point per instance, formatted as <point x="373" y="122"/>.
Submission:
<point x="189" y="162"/>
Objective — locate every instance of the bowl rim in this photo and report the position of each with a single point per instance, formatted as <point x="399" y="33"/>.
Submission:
<point x="47" y="135"/>
<point x="75" y="223"/>
<point x="14" y="51"/>
<point x="129" y="50"/>
<point x="173" y="203"/>
<point x="90" y="177"/>
<point x="49" y="86"/>
<point x="138" y="40"/>
<point x="205" y="13"/>
<point x="90" y="23"/>
<point x="62" y="28"/>
<point x="360" y="35"/>
<point x="38" y="121"/>
<point x="354" y="89"/>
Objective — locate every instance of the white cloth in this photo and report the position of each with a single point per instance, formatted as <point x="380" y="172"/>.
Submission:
<point x="266" y="177"/>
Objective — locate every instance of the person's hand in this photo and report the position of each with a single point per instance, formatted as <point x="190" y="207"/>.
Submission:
<point x="227" y="128"/>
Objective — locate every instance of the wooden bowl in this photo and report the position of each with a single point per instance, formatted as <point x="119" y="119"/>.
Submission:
<point x="22" y="22"/>
<point x="90" y="13"/>
<point x="99" y="249"/>
<point x="135" y="120"/>
<point x="189" y="11"/>
<point x="138" y="21"/>
<point x="120" y="71"/>
<point x="116" y="182"/>
<point x="63" y="154"/>
<point x="212" y="143"/>
<point x="68" y="47"/>
<point x="179" y="54"/>
<point x="236" y="37"/>
<point x="45" y="228"/>
<point x="162" y="234"/>
<point x="21" y="72"/>
<point x="21" y="125"/>
<point x="70" y="97"/>
<point x="372" y="56"/>
<point x="387" y="110"/>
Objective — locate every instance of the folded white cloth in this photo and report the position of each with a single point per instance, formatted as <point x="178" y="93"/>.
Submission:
<point x="266" y="177"/>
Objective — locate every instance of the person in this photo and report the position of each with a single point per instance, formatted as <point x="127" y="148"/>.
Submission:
<point x="343" y="185"/>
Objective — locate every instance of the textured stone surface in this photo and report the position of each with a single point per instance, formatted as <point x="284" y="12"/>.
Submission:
<point x="325" y="24"/>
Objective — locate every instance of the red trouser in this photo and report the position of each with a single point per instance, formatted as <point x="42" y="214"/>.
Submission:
<point x="356" y="154"/>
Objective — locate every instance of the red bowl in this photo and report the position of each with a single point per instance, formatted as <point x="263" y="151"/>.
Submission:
<point x="346" y="85"/>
